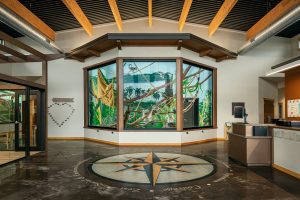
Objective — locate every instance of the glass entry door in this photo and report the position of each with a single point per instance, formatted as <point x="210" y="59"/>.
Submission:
<point x="12" y="133"/>
<point x="20" y="120"/>
<point x="34" y="113"/>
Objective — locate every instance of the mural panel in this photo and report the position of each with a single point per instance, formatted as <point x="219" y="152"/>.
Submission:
<point x="149" y="94"/>
<point x="102" y="92"/>
<point x="197" y="96"/>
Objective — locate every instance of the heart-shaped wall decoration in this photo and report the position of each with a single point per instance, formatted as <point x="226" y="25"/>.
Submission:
<point x="60" y="113"/>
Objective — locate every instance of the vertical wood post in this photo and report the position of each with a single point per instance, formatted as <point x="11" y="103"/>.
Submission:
<point x="179" y="102"/>
<point x="120" y="92"/>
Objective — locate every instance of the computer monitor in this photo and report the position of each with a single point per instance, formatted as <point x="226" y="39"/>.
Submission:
<point x="239" y="112"/>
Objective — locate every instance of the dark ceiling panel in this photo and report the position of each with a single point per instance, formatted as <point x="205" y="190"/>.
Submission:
<point x="243" y="16"/>
<point x="6" y="29"/>
<point x="291" y="31"/>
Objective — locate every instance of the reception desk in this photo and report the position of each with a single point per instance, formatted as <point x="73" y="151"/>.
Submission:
<point x="248" y="149"/>
<point x="280" y="148"/>
<point x="286" y="150"/>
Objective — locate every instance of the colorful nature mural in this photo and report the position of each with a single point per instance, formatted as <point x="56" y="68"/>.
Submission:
<point x="7" y="106"/>
<point x="149" y="94"/>
<point x="197" y="96"/>
<point x="102" y="96"/>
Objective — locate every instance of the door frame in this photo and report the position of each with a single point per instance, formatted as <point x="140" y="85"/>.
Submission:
<point x="43" y="89"/>
<point x="39" y="142"/>
<point x="269" y="99"/>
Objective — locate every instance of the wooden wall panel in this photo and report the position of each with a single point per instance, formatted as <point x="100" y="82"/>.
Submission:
<point x="292" y="88"/>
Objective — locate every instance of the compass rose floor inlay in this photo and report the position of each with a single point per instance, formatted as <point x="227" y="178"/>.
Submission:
<point x="153" y="168"/>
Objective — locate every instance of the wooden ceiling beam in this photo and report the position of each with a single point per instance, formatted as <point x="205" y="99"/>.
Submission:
<point x="3" y="58"/>
<point x="80" y="59"/>
<point x="221" y="15"/>
<point x="79" y="15"/>
<point x="94" y="52"/>
<point x="150" y="12"/>
<point x="115" y="11"/>
<point x="19" y="9"/>
<point x="226" y="57"/>
<point x="275" y="14"/>
<point x="119" y="44"/>
<point x="13" y="52"/>
<point x="184" y="13"/>
<point x="204" y="52"/>
<point x="21" y="45"/>
<point x="179" y="44"/>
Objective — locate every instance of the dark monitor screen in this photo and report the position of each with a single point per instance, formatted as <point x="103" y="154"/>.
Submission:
<point x="238" y="112"/>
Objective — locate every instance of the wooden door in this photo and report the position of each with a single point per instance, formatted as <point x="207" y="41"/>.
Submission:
<point x="268" y="110"/>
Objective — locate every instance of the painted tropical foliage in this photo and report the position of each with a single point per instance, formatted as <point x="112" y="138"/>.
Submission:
<point x="7" y="106"/>
<point x="197" y="96"/>
<point x="102" y="96"/>
<point x="149" y="94"/>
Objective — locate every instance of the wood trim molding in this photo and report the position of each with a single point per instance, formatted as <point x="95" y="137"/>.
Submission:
<point x="85" y="100"/>
<point x="120" y="97"/>
<point x="215" y="98"/>
<point x="179" y="97"/>
<point x="179" y="104"/>
<point x="137" y="144"/>
<point x="287" y="171"/>
<point x="203" y="141"/>
<point x="14" y="80"/>
<point x="66" y="138"/>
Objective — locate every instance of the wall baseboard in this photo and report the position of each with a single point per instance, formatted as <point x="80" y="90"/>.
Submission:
<point x="65" y="138"/>
<point x="101" y="141"/>
<point x="202" y="141"/>
<point x="287" y="171"/>
<point x="138" y="144"/>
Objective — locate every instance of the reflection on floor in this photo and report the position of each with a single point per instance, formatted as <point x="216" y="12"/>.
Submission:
<point x="8" y="156"/>
<point x="66" y="172"/>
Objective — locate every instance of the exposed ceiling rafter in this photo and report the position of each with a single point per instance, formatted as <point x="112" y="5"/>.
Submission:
<point x="115" y="11"/>
<point x="21" y="45"/>
<point x="220" y="16"/>
<point x="79" y="15"/>
<point x="150" y="13"/>
<point x="13" y="52"/>
<point x="184" y="13"/>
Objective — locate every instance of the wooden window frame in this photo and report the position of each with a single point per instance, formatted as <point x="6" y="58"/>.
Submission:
<point x="179" y="102"/>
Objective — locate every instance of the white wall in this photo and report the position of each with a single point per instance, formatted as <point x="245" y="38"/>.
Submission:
<point x="5" y="69"/>
<point x="295" y="46"/>
<point x="26" y="69"/>
<point x="229" y="39"/>
<point x="65" y="80"/>
<point x="237" y="79"/>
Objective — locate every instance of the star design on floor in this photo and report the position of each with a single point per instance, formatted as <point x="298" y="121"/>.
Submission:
<point x="154" y="165"/>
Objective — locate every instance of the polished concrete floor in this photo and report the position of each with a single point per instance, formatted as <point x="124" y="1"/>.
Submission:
<point x="64" y="172"/>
